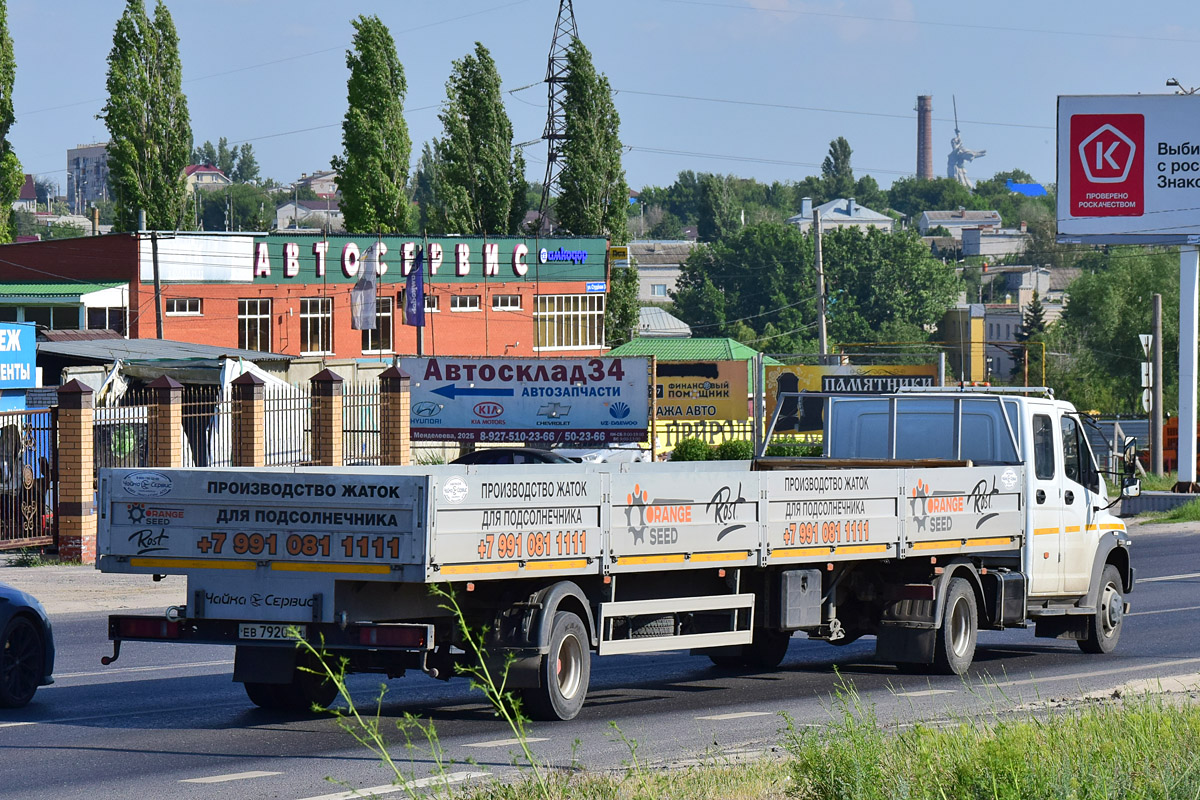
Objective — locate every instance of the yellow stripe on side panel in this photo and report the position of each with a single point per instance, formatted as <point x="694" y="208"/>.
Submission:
<point x="939" y="545"/>
<point x="190" y="563"/>
<point x="1112" y="526"/>
<point x="476" y="569"/>
<point x="995" y="541"/>
<point x="800" y="552"/>
<point x="855" y="549"/>
<point x="1072" y="529"/>
<point x="736" y="555"/>
<point x="367" y="569"/>
<point x="573" y="563"/>
<point x="672" y="558"/>
<point x="1045" y="531"/>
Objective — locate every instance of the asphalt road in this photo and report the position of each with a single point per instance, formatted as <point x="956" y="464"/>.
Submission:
<point x="167" y="722"/>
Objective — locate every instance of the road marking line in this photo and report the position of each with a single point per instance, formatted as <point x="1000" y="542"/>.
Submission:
<point x="1094" y="674"/>
<point x="1162" y="611"/>
<point x="503" y="742"/>
<point x="925" y="693"/>
<point x="233" y="776"/>
<point x="118" y="670"/>
<point x="739" y="715"/>
<point x="438" y="780"/>
<point x="1169" y="578"/>
<point x="15" y="724"/>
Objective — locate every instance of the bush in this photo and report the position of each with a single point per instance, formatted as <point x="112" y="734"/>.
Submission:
<point x="734" y="450"/>
<point x="692" y="449"/>
<point x="793" y="448"/>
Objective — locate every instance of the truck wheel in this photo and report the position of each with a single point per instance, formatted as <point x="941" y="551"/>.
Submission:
<point x="1104" y="627"/>
<point x="305" y="691"/>
<point x="960" y="629"/>
<point x="564" y="672"/>
<point x="768" y="648"/>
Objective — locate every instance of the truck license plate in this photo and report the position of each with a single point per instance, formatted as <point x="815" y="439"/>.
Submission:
<point x="269" y="632"/>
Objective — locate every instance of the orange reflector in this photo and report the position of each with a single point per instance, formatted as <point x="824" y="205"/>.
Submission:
<point x="608" y="578"/>
<point x="721" y="573"/>
<point x="470" y="586"/>
<point x="939" y="570"/>
<point x="829" y="567"/>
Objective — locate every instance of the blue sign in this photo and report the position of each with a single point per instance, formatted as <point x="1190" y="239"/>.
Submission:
<point x="596" y="286"/>
<point x="18" y="354"/>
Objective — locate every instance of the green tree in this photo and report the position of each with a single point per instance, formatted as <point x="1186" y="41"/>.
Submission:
<point x="241" y="206"/>
<point x="226" y="157"/>
<point x="867" y="193"/>
<point x="479" y="181"/>
<point x="669" y="227"/>
<point x="426" y="181"/>
<point x="716" y="218"/>
<point x="621" y="310"/>
<point x="836" y="171"/>
<point x="373" y="168"/>
<point x="593" y="194"/>
<point x="205" y="154"/>
<point x="147" y="118"/>
<point x="12" y="176"/>
<point x="911" y="196"/>
<point x="1093" y="352"/>
<point x="246" y="169"/>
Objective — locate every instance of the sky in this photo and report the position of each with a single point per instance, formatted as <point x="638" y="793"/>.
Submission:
<point x="753" y="88"/>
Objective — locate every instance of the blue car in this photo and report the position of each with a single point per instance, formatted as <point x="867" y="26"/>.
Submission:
<point x="26" y="647"/>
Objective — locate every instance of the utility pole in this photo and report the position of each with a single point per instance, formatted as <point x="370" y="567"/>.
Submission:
<point x="565" y="32"/>
<point x="822" y="341"/>
<point x="1156" y="404"/>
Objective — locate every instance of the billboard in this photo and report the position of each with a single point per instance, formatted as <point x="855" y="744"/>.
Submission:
<point x="701" y="390"/>
<point x="18" y="354"/>
<point x="1128" y="170"/>
<point x="805" y="415"/>
<point x="538" y="401"/>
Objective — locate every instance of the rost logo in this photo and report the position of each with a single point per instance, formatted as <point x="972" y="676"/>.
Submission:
<point x="488" y="410"/>
<point x="1107" y="156"/>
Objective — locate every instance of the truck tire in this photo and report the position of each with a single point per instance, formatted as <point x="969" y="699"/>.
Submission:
<point x="960" y="629"/>
<point x="564" y="673"/>
<point x="1104" y="627"/>
<point x="646" y="626"/>
<point x="305" y="691"/>
<point x="768" y="648"/>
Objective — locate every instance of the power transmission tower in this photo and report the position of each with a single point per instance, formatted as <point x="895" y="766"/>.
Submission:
<point x="565" y="32"/>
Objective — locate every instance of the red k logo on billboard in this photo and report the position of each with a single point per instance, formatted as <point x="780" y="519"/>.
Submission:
<point x="1107" y="156"/>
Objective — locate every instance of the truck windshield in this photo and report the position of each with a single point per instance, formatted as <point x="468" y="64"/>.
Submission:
<point x="951" y="428"/>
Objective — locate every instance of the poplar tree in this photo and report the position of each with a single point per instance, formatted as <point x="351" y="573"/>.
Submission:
<point x="593" y="195"/>
<point x="373" y="169"/>
<point x="11" y="174"/>
<point x="478" y="174"/>
<point x="147" y="119"/>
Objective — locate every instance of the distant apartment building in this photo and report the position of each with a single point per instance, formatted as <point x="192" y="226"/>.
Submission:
<point x="87" y="176"/>
<point x="323" y="183"/>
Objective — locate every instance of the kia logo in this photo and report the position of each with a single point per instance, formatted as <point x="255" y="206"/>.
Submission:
<point x="488" y="410"/>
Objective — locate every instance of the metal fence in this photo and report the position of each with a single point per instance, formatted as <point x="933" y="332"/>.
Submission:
<point x="28" y="479"/>
<point x="287" y="432"/>
<point x="121" y="433"/>
<point x="360" y="424"/>
<point x="207" y="427"/>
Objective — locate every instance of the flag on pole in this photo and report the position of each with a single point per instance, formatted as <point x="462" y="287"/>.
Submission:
<point x="364" y="296"/>
<point x="414" y="293"/>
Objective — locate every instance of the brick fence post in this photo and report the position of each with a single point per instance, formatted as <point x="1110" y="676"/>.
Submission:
<point x="395" y="443"/>
<point x="166" y="423"/>
<point x="326" y="418"/>
<point x="76" y="473"/>
<point x="249" y="417"/>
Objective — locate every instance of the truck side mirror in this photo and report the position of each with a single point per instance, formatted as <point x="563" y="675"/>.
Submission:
<point x="1129" y="455"/>
<point x="1131" y="486"/>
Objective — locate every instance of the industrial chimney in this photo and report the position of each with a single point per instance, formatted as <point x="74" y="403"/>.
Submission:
<point x="925" y="137"/>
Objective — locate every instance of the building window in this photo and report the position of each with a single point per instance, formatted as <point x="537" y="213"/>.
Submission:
<point x="56" y="318"/>
<point x="464" y="302"/>
<point x="506" y="302"/>
<point x="570" y="321"/>
<point x="316" y="325"/>
<point x="658" y="290"/>
<point x="112" y="319"/>
<point x="254" y="324"/>
<point x="380" y="339"/>
<point x="8" y="314"/>
<point x="183" y="307"/>
<point x="431" y="302"/>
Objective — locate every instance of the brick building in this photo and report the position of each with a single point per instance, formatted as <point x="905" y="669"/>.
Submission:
<point x="290" y="293"/>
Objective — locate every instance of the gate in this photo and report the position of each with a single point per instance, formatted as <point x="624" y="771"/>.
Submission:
<point x="28" y="479"/>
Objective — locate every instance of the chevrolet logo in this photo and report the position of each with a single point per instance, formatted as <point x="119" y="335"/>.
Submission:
<point x="553" y="410"/>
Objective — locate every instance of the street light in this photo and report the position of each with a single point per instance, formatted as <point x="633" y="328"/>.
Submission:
<point x="1180" y="89"/>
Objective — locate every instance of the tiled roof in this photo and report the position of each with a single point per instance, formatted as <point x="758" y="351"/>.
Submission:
<point x="966" y="217"/>
<point x="654" y="321"/>
<point x="660" y="253"/>
<point x="688" y="349"/>
<point x="28" y="189"/>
